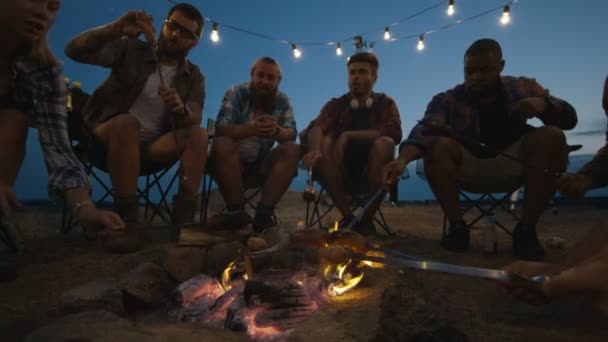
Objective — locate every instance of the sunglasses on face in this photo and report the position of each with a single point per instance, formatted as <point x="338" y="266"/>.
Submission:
<point x="173" y="26"/>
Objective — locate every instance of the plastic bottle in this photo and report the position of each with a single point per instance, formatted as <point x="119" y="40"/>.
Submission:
<point x="490" y="240"/>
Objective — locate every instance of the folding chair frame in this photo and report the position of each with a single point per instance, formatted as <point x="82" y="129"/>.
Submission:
<point x="495" y="203"/>
<point x="152" y="181"/>
<point x="315" y="217"/>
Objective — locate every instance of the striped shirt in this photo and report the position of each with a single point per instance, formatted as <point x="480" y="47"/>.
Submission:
<point x="41" y="94"/>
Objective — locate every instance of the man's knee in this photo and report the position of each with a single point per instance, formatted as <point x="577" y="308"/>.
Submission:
<point x="442" y="149"/>
<point x="121" y="127"/>
<point x="544" y="138"/>
<point x="383" y="147"/>
<point x="224" y="147"/>
<point x="289" y="151"/>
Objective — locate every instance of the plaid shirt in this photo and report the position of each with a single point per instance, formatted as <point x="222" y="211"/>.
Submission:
<point x="237" y="110"/>
<point x="336" y="116"/>
<point x="42" y="94"/>
<point x="454" y="108"/>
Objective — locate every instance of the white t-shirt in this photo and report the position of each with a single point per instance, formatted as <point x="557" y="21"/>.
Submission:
<point x="149" y="109"/>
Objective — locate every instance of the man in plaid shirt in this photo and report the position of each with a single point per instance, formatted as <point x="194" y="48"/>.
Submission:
<point x="353" y="138"/>
<point x="491" y="109"/>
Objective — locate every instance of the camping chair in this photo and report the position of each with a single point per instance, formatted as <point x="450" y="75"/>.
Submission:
<point x="253" y="185"/>
<point x="92" y="155"/>
<point x="315" y="215"/>
<point x="486" y="203"/>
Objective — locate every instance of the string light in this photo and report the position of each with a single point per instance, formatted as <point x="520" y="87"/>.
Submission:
<point x="451" y="9"/>
<point x="215" y="35"/>
<point x="387" y="34"/>
<point x="296" y="53"/>
<point x="420" y="45"/>
<point x="506" y="15"/>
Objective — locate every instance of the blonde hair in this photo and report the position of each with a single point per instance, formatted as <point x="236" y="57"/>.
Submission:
<point x="41" y="54"/>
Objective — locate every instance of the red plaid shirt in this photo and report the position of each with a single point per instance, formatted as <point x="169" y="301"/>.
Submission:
<point x="335" y="117"/>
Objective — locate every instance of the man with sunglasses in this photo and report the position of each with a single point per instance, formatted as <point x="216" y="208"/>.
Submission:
<point x="149" y="109"/>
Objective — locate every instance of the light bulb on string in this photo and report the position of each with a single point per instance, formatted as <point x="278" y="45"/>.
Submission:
<point x="420" y="45"/>
<point x="339" y="49"/>
<point x="451" y="10"/>
<point x="506" y="15"/>
<point x="296" y="52"/>
<point x="215" y="35"/>
<point x="387" y="33"/>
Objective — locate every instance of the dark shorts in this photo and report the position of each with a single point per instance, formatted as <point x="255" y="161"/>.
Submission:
<point x="356" y="156"/>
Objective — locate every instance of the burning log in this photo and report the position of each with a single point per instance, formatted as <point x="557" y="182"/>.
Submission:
<point x="198" y="286"/>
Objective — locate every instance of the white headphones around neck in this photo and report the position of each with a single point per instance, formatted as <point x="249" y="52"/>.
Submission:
<point x="354" y="103"/>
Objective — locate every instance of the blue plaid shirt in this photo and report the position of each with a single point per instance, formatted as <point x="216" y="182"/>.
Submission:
<point x="237" y="110"/>
<point x="41" y="93"/>
<point x="454" y="108"/>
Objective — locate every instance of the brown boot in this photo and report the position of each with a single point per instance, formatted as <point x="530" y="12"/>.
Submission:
<point x="183" y="209"/>
<point x="126" y="241"/>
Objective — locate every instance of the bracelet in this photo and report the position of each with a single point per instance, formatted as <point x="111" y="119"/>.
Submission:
<point x="79" y="205"/>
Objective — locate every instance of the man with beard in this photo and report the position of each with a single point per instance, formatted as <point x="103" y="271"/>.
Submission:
<point x="354" y="137"/>
<point x="149" y="109"/>
<point x="254" y="115"/>
<point x="491" y="109"/>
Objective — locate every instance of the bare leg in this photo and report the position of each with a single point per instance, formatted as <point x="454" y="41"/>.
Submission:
<point x="279" y="168"/>
<point x="227" y="170"/>
<point x="121" y="136"/>
<point x="381" y="153"/>
<point x="543" y="148"/>
<point x="441" y="163"/>
<point x="193" y="140"/>
<point x="331" y="176"/>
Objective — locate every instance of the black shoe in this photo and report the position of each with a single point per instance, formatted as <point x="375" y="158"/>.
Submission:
<point x="526" y="245"/>
<point x="264" y="218"/>
<point x="457" y="239"/>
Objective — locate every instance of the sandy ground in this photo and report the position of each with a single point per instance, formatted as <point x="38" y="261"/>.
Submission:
<point x="389" y="305"/>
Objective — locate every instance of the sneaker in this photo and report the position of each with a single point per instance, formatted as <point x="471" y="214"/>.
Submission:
<point x="263" y="222"/>
<point x="526" y="245"/>
<point x="457" y="239"/>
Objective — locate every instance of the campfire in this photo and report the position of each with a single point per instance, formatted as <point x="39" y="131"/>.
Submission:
<point x="253" y="296"/>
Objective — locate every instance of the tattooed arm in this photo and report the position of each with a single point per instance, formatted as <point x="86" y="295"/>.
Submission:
<point x="101" y="45"/>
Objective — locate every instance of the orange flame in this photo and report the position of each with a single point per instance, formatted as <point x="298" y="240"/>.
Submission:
<point x="227" y="276"/>
<point x="334" y="228"/>
<point x="341" y="281"/>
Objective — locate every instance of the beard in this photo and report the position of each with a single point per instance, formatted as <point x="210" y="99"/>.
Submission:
<point x="171" y="52"/>
<point x="263" y="98"/>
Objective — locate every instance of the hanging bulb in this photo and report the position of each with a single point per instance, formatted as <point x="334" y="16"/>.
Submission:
<point x="451" y="9"/>
<point x="339" y="49"/>
<point x="506" y="15"/>
<point x="296" y="53"/>
<point x="387" y="33"/>
<point x="420" y="45"/>
<point x="215" y="35"/>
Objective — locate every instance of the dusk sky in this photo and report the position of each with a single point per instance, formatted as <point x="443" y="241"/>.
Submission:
<point x="560" y="43"/>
